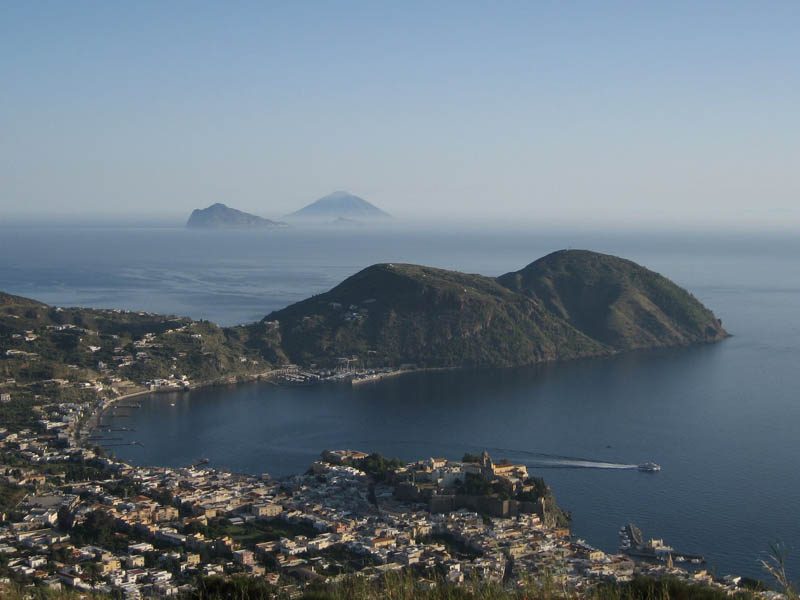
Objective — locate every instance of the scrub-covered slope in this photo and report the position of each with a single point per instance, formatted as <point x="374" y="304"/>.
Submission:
<point x="615" y="301"/>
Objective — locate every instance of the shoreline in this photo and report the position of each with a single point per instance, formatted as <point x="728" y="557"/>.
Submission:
<point x="256" y="378"/>
<point x="267" y="376"/>
<point x="381" y="376"/>
<point x="93" y="419"/>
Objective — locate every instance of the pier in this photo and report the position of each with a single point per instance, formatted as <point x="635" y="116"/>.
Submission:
<point x="140" y="444"/>
<point x="632" y="543"/>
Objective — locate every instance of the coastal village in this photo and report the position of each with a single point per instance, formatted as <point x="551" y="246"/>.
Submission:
<point x="74" y="517"/>
<point x="170" y="526"/>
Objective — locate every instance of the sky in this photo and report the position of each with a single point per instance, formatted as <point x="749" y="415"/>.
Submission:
<point x="680" y="114"/>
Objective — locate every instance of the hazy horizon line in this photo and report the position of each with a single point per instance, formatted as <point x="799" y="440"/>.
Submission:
<point x="174" y="220"/>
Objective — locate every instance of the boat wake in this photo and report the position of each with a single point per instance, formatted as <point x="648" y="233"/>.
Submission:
<point x="541" y="460"/>
<point x="579" y="464"/>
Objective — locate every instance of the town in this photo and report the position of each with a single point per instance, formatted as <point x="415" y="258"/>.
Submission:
<point x="152" y="531"/>
<point x="72" y="516"/>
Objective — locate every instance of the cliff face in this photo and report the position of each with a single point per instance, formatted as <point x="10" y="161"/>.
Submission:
<point x="566" y="305"/>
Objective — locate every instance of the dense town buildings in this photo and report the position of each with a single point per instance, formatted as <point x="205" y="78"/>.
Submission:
<point x="73" y="517"/>
<point x="151" y="531"/>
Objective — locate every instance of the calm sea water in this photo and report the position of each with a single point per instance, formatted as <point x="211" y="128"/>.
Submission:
<point x="722" y="420"/>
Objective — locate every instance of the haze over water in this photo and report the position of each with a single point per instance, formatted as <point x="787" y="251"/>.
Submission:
<point x="720" y="419"/>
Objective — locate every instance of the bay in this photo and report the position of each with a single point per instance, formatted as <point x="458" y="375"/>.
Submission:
<point x="722" y="420"/>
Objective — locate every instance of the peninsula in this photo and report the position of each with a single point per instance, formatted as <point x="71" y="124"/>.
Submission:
<point x="381" y="321"/>
<point x="569" y="304"/>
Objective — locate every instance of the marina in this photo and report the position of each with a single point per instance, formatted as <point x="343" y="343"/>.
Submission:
<point x="632" y="542"/>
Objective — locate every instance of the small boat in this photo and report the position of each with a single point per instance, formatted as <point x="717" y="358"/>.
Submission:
<point x="649" y="466"/>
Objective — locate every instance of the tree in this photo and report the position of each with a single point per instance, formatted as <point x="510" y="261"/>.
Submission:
<point x="64" y="519"/>
<point x="93" y="571"/>
<point x="163" y="496"/>
<point x="378" y="466"/>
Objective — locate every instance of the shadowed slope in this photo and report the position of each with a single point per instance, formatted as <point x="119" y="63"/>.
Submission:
<point x="569" y="304"/>
<point x="395" y="313"/>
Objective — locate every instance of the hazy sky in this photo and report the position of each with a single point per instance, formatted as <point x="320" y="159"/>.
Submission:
<point x="678" y="113"/>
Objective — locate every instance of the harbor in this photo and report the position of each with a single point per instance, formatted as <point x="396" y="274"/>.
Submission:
<point x="632" y="543"/>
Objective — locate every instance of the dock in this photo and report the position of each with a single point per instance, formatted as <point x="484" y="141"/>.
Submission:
<point x="632" y="543"/>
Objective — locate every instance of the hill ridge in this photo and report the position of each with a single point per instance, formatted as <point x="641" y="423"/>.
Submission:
<point x="568" y="304"/>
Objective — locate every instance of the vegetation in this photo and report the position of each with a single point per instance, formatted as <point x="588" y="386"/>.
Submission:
<point x="253" y="532"/>
<point x="406" y="587"/>
<point x="647" y="588"/>
<point x="99" y="529"/>
<point x="615" y="301"/>
<point x="10" y="496"/>
<point x="239" y="587"/>
<point x="16" y="591"/>
<point x="377" y="466"/>
<point x="454" y="546"/>
<point x="49" y="355"/>
<point x="340" y="554"/>
<point x="566" y="305"/>
<point x="70" y="343"/>
<point x="776" y="566"/>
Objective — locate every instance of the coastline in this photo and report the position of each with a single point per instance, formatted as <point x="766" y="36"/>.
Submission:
<point x="93" y="419"/>
<point x="354" y="380"/>
<point x="381" y="376"/>
<point x="265" y="376"/>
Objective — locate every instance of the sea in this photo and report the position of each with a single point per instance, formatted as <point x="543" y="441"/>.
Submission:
<point x="723" y="420"/>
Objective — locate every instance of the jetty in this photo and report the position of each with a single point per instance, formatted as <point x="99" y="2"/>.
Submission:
<point x="632" y="543"/>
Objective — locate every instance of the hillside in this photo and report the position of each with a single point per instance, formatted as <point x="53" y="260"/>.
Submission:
<point x="615" y="301"/>
<point x="567" y="305"/>
<point x="218" y="216"/>
<point x="48" y="353"/>
<point x="340" y="205"/>
<point x="9" y="299"/>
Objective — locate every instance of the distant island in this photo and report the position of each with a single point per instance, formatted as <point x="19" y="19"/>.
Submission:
<point x="339" y="207"/>
<point x="219" y="216"/>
